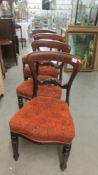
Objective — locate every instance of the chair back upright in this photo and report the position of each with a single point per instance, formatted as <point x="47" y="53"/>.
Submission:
<point x="54" y="56"/>
<point x="52" y="45"/>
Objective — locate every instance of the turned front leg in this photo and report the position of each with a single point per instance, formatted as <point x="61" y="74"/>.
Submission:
<point x="65" y="156"/>
<point x="14" y="140"/>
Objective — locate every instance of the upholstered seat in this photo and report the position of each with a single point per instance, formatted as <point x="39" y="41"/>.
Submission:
<point x="44" y="119"/>
<point x="25" y="89"/>
<point x="43" y="70"/>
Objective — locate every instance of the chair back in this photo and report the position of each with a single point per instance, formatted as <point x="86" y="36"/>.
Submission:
<point x="72" y="60"/>
<point x="37" y="44"/>
<point x="49" y="36"/>
<point x="35" y="31"/>
<point x="52" y="45"/>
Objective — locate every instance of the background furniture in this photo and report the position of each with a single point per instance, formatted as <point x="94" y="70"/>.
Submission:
<point x="86" y="12"/>
<point x="7" y="31"/>
<point x="18" y="28"/>
<point x="3" y="42"/>
<point x="22" y="33"/>
<point x="1" y="83"/>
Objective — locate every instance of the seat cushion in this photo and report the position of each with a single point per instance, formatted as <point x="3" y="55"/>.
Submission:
<point x="44" y="119"/>
<point x="25" y="89"/>
<point x="43" y="70"/>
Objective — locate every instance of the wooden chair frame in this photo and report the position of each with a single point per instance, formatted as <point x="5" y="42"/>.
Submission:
<point x="36" y="45"/>
<point x="54" y="56"/>
<point x="49" y="36"/>
<point x="48" y="56"/>
<point x="49" y="44"/>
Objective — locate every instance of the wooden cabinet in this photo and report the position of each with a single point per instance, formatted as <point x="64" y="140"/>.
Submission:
<point x="2" y="71"/>
<point x="7" y="31"/>
<point x="1" y="83"/>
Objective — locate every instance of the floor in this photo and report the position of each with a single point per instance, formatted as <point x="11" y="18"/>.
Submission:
<point x="44" y="159"/>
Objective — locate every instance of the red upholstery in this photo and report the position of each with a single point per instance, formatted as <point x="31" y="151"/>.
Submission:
<point x="44" y="119"/>
<point x="43" y="70"/>
<point x="25" y="89"/>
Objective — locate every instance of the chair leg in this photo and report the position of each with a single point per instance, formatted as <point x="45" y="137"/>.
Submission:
<point x="25" y="78"/>
<point x="66" y="152"/>
<point x="20" y="101"/>
<point x="14" y="140"/>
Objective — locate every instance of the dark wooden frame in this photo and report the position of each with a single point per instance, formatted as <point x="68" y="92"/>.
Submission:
<point x="90" y="13"/>
<point x="35" y="31"/>
<point x="7" y="31"/>
<point x="49" y="36"/>
<point x="15" y="145"/>
<point x="54" y="56"/>
<point x="76" y="15"/>
<point x="35" y="46"/>
<point x="96" y="20"/>
<point x="49" y="56"/>
<point x="49" y="44"/>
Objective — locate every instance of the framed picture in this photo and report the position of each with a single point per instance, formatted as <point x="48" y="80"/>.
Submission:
<point x="86" y="12"/>
<point x="83" y="46"/>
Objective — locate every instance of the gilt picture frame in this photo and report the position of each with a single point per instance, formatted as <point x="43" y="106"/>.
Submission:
<point x="83" y="46"/>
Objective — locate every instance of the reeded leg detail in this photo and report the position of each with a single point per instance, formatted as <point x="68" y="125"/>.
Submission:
<point x="66" y="152"/>
<point x="14" y="140"/>
<point x="20" y="101"/>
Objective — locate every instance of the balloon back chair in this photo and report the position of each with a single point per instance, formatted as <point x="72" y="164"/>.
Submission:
<point x="25" y="89"/>
<point x="49" y="36"/>
<point x="46" y="119"/>
<point x="50" y="70"/>
<point x="52" y="45"/>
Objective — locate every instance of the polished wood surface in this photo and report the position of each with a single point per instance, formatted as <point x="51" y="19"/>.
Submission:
<point x="8" y="41"/>
<point x="4" y="42"/>
<point x="49" y="36"/>
<point x="1" y="83"/>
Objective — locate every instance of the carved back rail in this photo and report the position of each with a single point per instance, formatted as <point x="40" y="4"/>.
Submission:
<point x="54" y="56"/>
<point x="49" y="36"/>
<point x="59" y="46"/>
